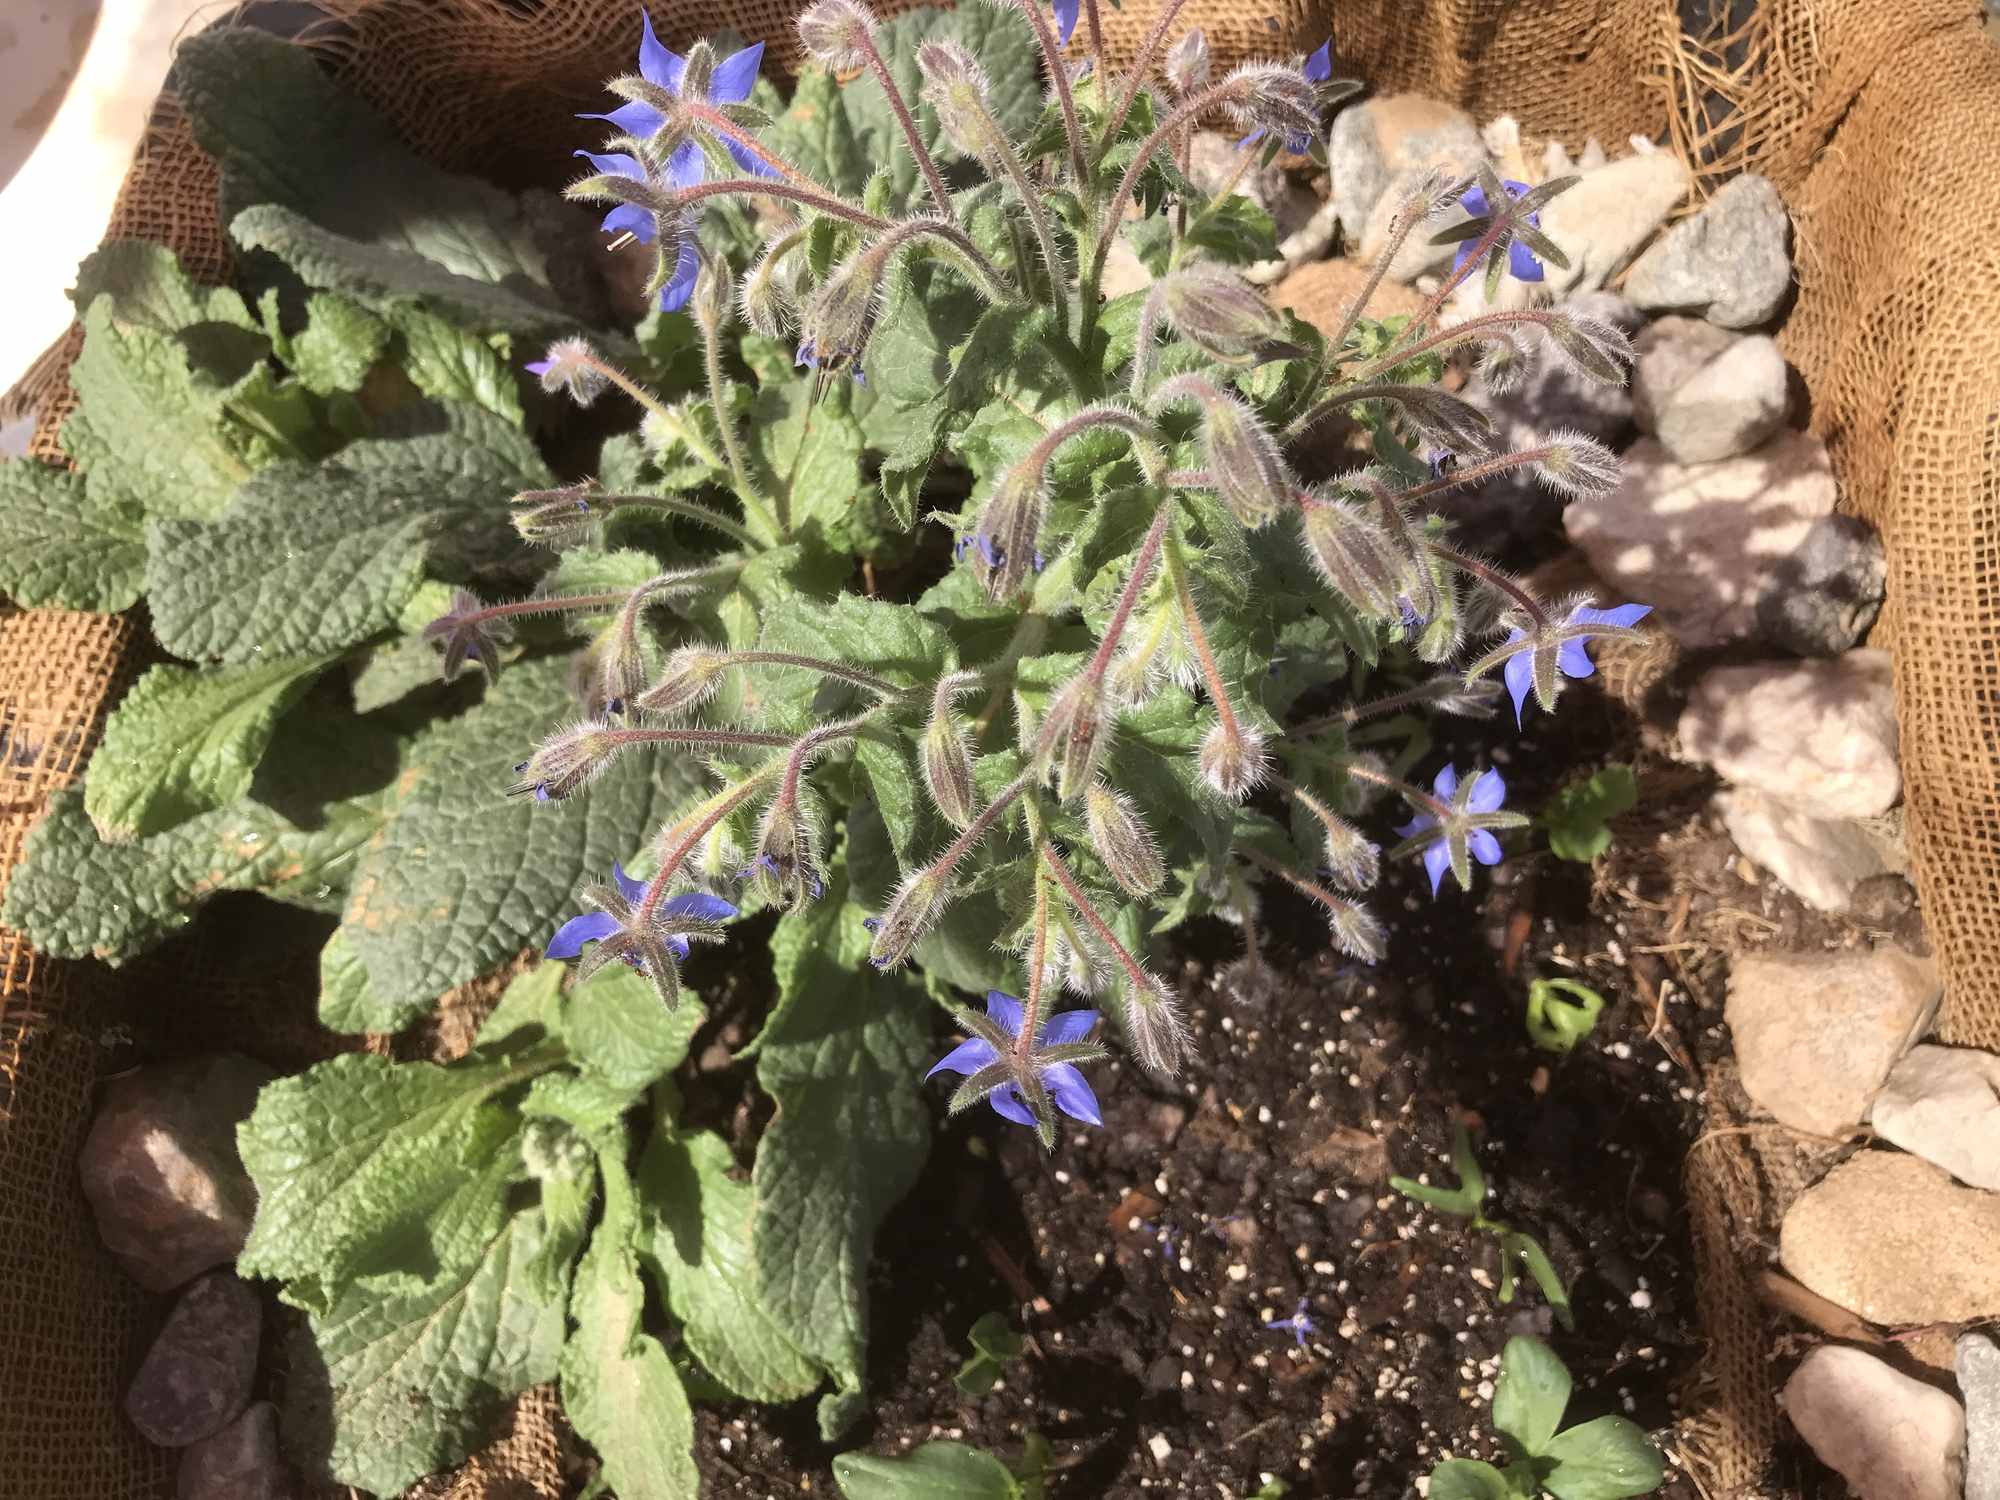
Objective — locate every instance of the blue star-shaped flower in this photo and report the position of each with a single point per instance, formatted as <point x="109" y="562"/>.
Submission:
<point x="1521" y="260"/>
<point x="1486" y="795"/>
<point x="1298" y="1325"/>
<point x="595" y="926"/>
<point x="1571" y="658"/>
<point x="1067" y="1087"/>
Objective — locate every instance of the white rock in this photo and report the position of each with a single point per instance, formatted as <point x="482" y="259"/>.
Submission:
<point x="1890" y="1437"/>
<point x="1696" y="542"/>
<point x="1978" y="1365"/>
<point x="1943" y="1104"/>
<point x="1728" y="262"/>
<point x="1705" y="393"/>
<point x="1817" y="735"/>
<point x="1820" y="860"/>
<point x="1894" y="1239"/>
<point x="1816" y="1034"/>
<point x="1371" y="142"/>
<point x="1607" y="217"/>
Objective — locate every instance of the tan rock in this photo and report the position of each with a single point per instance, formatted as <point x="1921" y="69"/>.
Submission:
<point x="1816" y="1034"/>
<point x="1889" y="1436"/>
<point x="1372" y="142"/>
<point x="1943" y="1104"/>
<point x="1609" y="216"/>
<point x="1893" y="1238"/>
<point x="1320" y="292"/>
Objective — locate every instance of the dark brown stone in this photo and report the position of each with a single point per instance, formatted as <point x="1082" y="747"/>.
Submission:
<point x="241" y="1462"/>
<point x="161" y="1171"/>
<point x="196" y="1378"/>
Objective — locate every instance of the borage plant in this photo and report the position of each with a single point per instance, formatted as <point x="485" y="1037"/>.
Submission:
<point x="980" y="627"/>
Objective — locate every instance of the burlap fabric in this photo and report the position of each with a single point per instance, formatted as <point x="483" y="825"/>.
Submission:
<point x="1880" y="121"/>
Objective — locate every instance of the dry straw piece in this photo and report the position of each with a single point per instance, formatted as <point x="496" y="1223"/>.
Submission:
<point x="1878" y="119"/>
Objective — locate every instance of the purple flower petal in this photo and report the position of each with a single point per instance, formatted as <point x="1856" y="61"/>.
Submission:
<point x="617" y="163"/>
<point x="1625" y="615"/>
<point x="573" y="934"/>
<point x="1519" y="674"/>
<point x="1066" y="14"/>
<point x="1004" y="1008"/>
<point x="674" y="295"/>
<point x="629" y="888"/>
<point x="687" y="167"/>
<point x="1445" y="785"/>
<point x="1573" y="661"/>
<point x="1071" y="1093"/>
<point x="1009" y="1105"/>
<point x="533" y="367"/>
<point x="1416" y="826"/>
<point x="733" y="77"/>
<point x="1437" y="859"/>
<point x="1070" y="1026"/>
<point x="968" y="1057"/>
<point x="1485" y="848"/>
<point x="629" y="218"/>
<point x="1319" y="67"/>
<point x="632" y="119"/>
<point x="699" y="904"/>
<point x="656" y="63"/>
<point x="1488" y="792"/>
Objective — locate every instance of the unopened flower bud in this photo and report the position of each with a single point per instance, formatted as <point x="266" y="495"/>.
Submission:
<point x="785" y="868"/>
<point x="1075" y="958"/>
<point x="1154" y="1027"/>
<point x="558" y="518"/>
<point x="1357" y="558"/>
<point x="1003" y="544"/>
<point x="948" y="767"/>
<point x="1270" y="96"/>
<point x="1244" y="462"/>
<point x="1595" y="348"/>
<point x="1578" y="467"/>
<point x="1354" y="861"/>
<point x="567" y="761"/>
<point x="1357" y="932"/>
<point x="714" y="291"/>
<point x="1188" y="63"/>
<point x="1232" y="759"/>
<point x="835" y="34"/>
<point x="571" y="365"/>
<point x="955" y="86"/>
<point x="1121" y="839"/>
<point x="1221" y="313"/>
<point x="1502" y="365"/>
<point x="769" y="299"/>
<point x="910" y="915"/>
<point x="692" y="675"/>
<point x="1075" y="735"/>
<point x="835" y="327"/>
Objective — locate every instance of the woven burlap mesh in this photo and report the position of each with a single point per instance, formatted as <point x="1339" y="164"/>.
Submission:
<point x="1878" y="120"/>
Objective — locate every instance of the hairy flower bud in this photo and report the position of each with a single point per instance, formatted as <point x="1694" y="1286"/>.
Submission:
<point x="567" y="761"/>
<point x="769" y="297"/>
<point x="1003" y="543"/>
<point x="571" y="365"/>
<point x="1232" y="759"/>
<point x="558" y="518"/>
<point x="910" y="915"/>
<point x="836" y="324"/>
<point x="1222" y="314"/>
<point x="1357" y="558"/>
<point x="1244" y="462"/>
<point x="1354" y="862"/>
<point x="1578" y="467"/>
<point x="1074" y="736"/>
<point x="692" y="675"/>
<point x="714" y="291"/>
<point x="1595" y="348"/>
<point x="955" y="86"/>
<point x="1270" y="96"/>
<point x="1120" y="838"/>
<point x="947" y="758"/>
<point x="1357" y="931"/>
<point x="836" y="34"/>
<point x="1188" y="63"/>
<point x="1154" y="1026"/>
<point x="785" y="868"/>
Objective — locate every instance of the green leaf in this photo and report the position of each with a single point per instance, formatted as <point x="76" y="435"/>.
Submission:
<point x="1232" y="230"/>
<point x="1463" y="1200"/>
<point x="148" y="286"/>
<point x="344" y="1152"/>
<point x="530" y="1010"/>
<point x="620" y="1390"/>
<point x="941" y="1470"/>
<point x="390" y="672"/>
<point x="463" y="878"/>
<point x="348" y="1003"/>
<point x="1529" y="1396"/>
<point x="1541" y="1270"/>
<point x="850" y="1135"/>
<point x="807" y="451"/>
<point x="994" y="1342"/>
<point x="65" y="544"/>
<point x="1555" y="1024"/>
<point x="892" y="641"/>
<point x="698" y="1239"/>
<point x="340" y="344"/>
<point x="448" y="363"/>
<point x="1603" y="1460"/>
<point x="413" y="1381"/>
<point x="617" y="1028"/>
<point x="1577" y="816"/>
<point x="184" y="741"/>
<point x="1468" y="1479"/>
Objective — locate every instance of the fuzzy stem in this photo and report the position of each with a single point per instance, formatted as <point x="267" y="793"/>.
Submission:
<point x="1038" y="216"/>
<point x="1146" y="335"/>
<point x="1141" y="60"/>
<point x="1188" y="109"/>
<point x="1484" y="326"/>
<point x="774" y="517"/>
<point x="1295" y="880"/>
<point x="878" y="685"/>
<point x="1095" y="24"/>
<point x="554" y="604"/>
<point x="676" y="505"/>
<point x="1038" y="958"/>
<point x="1198" y="638"/>
<point x="1493" y="578"/>
<point x="625" y="383"/>
<point x="727" y="128"/>
<point x="755" y="187"/>
<point x="1059" y="81"/>
<point x="1080" y="903"/>
<point x="1415" y="796"/>
<point x="933" y="179"/>
<point x="1146" y="446"/>
<point x="708" y="739"/>
<point x="1399" y="350"/>
<point x="1375" y="708"/>
<point x="1128" y="597"/>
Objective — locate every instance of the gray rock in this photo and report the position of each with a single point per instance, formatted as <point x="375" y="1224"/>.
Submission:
<point x="160" y="1168"/>
<point x="1894" y="1239"/>
<point x="1697" y="542"/>
<point x="1823" y="861"/>
<point x="1729" y="262"/>
<point x="1212" y="163"/>
<point x="1822" y="599"/>
<point x="1817" y="735"/>
<point x="1371" y="142"/>
<point x="1706" y="398"/>
<point x="196" y="1378"/>
<point x="1978" y="1364"/>
<point x="1943" y="1104"/>
<point x="1816" y="1034"/>
<point x="1890" y="1437"/>
<point x="241" y="1462"/>
<point x="1607" y="217"/>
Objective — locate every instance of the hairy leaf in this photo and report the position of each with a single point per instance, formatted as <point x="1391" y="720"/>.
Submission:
<point x="348" y="1003"/>
<point x="339" y="345"/>
<point x="66" y="544"/>
<point x="941" y="1470"/>
<point x="447" y="363"/>
<point x="618" y="1030"/>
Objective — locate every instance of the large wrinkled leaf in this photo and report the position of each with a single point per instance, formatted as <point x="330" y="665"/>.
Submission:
<point x="185" y="742"/>
<point x="464" y="878"/>
<point x="447" y="363"/>
<point x="618" y="1030"/>
<point x="850" y="1135"/>
<point x="65" y="544"/>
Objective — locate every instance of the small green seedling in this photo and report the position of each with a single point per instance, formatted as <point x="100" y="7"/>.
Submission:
<point x="1605" y="1459"/>
<point x="944" y="1468"/>
<point x="1556" y="1024"/>
<point x="1578" y="817"/>
<point x="1464" y="1202"/>
<point x="993" y="1344"/>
